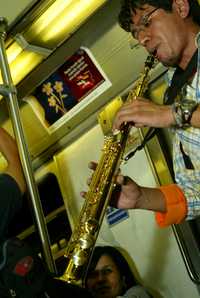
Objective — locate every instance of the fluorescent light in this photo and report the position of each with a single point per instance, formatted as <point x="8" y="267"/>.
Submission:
<point x="24" y="64"/>
<point x="61" y="20"/>
<point x="54" y="26"/>
<point x="21" y="66"/>
<point x="13" y="51"/>
<point x="47" y="18"/>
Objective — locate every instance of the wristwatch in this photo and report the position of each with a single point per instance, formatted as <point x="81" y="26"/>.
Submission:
<point x="182" y="111"/>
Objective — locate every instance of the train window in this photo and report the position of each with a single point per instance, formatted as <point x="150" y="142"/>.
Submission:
<point x="55" y="213"/>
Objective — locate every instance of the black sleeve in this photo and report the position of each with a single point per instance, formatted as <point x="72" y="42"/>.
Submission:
<point x="10" y="202"/>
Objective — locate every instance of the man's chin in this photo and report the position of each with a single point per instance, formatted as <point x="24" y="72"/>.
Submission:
<point x="168" y="62"/>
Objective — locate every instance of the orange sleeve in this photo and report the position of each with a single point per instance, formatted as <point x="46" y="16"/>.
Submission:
<point x="176" y="205"/>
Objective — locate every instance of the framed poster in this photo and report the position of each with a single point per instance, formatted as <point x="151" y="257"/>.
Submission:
<point x="69" y="89"/>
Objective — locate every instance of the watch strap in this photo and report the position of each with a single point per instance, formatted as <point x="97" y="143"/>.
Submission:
<point x="177" y="114"/>
<point x="187" y="116"/>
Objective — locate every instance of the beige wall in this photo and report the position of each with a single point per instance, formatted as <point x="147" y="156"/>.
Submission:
<point x="12" y="9"/>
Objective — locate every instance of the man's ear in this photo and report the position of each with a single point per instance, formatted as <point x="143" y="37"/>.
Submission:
<point x="182" y="7"/>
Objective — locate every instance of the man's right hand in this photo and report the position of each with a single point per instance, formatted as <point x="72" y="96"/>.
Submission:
<point x="129" y="195"/>
<point x="126" y="194"/>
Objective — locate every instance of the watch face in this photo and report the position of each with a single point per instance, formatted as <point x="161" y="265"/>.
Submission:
<point x="187" y="108"/>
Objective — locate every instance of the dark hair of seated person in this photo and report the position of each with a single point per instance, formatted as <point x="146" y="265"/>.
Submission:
<point x="118" y="259"/>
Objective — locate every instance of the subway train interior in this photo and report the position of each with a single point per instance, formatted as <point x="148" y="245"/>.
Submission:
<point x="71" y="67"/>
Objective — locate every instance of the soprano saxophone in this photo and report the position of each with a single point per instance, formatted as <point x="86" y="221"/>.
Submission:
<point x="82" y="241"/>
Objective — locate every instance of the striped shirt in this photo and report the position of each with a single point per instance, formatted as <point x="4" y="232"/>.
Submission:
<point x="189" y="179"/>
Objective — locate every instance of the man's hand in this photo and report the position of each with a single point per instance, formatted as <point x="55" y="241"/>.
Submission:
<point x="126" y="194"/>
<point x="129" y="195"/>
<point x="143" y="112"/>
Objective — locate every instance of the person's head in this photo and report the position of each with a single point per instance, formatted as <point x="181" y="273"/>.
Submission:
<point x="109" y="274"/>
<point x="166" y="28"/>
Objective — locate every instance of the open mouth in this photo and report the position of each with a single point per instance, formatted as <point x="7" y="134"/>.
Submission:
<point x="154" y="53"/>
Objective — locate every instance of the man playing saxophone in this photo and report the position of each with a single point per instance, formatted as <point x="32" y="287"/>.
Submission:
<point x="168" y="29"/>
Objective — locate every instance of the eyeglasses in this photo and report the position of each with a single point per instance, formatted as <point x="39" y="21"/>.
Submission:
<point x="145" y="22"/>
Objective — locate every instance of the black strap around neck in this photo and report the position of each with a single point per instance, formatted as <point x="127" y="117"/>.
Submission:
<point x="179" y="79"/>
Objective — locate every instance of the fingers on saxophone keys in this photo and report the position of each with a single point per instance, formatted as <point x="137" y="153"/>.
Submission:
<point x="92" y="165"/>
<point x="125" y="180"/>
<point x="83" y="194"/>
<point x="116" y="131"/>
<point x="122" y="180"/>
<point x="89" y="181"/>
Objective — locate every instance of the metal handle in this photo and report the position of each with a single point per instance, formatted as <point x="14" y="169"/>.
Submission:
<point x="9" y="91"/>
<point x="193" y="274"/>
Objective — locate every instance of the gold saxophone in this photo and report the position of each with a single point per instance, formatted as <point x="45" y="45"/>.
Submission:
<point x="82" y="241"/>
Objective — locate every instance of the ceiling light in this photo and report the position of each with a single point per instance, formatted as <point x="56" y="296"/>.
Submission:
<point x="49" y="30"/>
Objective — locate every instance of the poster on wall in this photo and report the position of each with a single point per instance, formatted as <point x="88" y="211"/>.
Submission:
<point x="69" y="89"/>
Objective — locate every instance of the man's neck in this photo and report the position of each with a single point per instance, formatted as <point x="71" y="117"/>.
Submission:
<point x="189" y="49"/>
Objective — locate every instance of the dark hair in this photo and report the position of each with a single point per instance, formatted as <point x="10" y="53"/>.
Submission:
<point x="130" y="5"/>
<point x="119" y="261"/>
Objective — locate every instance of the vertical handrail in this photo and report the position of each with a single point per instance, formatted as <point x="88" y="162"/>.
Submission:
<point x="193" y="274"/>
<point x="9" y="91"/>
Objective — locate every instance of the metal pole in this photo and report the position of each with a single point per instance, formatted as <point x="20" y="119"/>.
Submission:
<point x="10" y="92"/>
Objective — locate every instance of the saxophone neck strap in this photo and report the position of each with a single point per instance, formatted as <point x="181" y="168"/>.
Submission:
<point x="180" y="78"/>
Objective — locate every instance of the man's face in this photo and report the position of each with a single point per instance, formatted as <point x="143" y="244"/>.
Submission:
<point x="105" y="281"/>
<point x="161" y="32"/>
